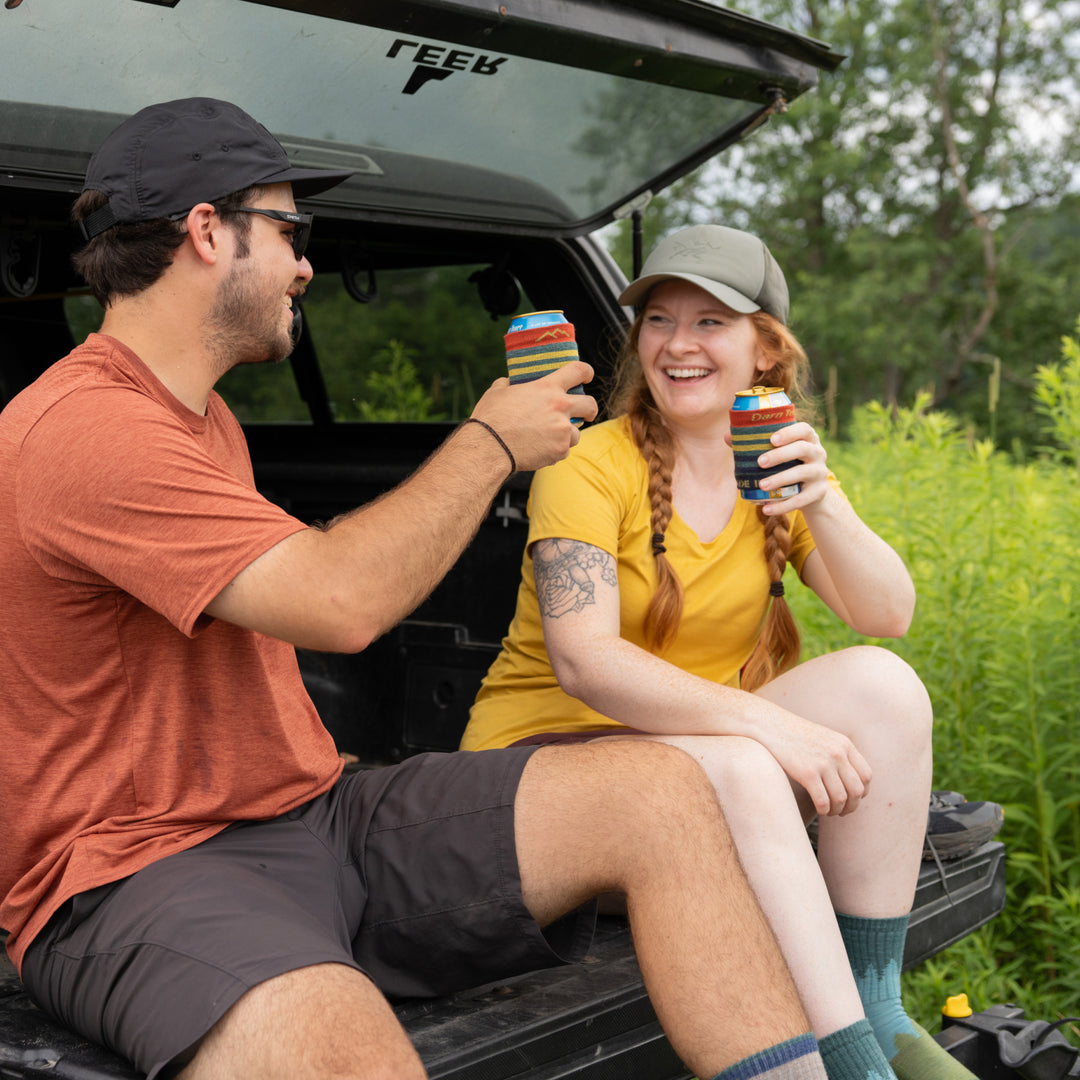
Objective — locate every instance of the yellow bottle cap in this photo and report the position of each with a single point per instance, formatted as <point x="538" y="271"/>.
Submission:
<point x="957" y="1006"/>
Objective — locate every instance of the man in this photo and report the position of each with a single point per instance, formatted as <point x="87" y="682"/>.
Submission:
<point x="195" y="908"/>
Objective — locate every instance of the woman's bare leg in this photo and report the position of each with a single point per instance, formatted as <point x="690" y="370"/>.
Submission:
<point x="868" y="861"/>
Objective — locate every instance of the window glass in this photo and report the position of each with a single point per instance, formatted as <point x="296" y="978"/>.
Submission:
<point x="264" y="393"/>
<point x="422" y="349"/>
<point x="426" y="124"/>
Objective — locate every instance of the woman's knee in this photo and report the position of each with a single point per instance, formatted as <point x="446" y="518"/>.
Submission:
<point x="739" y="768"/>
<point x="893" y="691"/>
<point x="860" y="688"/>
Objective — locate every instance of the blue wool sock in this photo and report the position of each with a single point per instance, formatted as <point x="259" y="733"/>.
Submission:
<point x="853" y="1053"/>
<point x="795" y="1059"/>
<point x="875" y="949"/>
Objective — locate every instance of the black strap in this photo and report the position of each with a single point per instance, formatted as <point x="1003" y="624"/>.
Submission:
<point x="96" y="223"/>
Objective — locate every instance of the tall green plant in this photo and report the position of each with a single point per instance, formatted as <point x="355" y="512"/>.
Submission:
<point x="392" y="391"/>
<point x="1057" y="399"/>
<point x="991" y="545"/>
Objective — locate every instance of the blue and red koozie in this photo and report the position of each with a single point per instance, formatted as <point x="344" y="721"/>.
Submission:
<point x="755" y="414"/>
<point x="539" y="342"/>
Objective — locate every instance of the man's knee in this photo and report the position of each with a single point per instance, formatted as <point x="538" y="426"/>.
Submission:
<point x="742" y="771"/>
<point x="637" y="793"/>
<point x="602" y="816"/>
<point x="661" y="777"/>
<point x="638" y="771"/>
<point x="322" y="1020"/>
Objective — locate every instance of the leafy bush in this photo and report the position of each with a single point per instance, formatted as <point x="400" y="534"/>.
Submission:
<point x="991" y="544"/>
<point x="392" y="390"/>
<point x="1057" y="399"/>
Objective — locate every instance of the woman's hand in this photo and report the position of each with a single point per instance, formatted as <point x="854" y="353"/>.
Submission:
<point x="797" y="442"/>
<point x="824" y="762"/>
<point x="856" y="573"/>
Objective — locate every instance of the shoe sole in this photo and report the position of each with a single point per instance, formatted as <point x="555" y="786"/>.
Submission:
<point x="952" y="845"/>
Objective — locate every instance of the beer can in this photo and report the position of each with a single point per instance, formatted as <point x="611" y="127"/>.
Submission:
<point x="755" y="414"/>
<point x="538" y="342"/>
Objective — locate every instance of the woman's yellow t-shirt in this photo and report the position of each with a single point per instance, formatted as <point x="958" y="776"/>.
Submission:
<point x="599" y="495"/>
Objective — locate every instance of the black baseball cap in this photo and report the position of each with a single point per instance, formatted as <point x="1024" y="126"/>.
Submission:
<point x="168" y="157"/>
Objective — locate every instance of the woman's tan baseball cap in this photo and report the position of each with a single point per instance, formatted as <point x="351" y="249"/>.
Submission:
<point x="732" y="265"/>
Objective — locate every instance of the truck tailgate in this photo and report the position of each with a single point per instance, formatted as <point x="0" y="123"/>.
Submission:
<point x="591" y="1020"/>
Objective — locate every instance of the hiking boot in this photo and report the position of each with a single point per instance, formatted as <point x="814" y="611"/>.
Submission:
<point x="956" y="827"/>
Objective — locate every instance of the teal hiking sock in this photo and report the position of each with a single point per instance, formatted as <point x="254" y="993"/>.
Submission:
<point x="875" y="949"/>
<point x="795" y="1059"/>
<point x="853" y="1053"/>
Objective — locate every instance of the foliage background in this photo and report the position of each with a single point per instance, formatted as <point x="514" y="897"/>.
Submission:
<point x="991" y="544"/>
<point x="923" y="200"/>
<point x="924" y="204"/>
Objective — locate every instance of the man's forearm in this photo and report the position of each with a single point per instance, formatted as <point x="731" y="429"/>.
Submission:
<point x="339" y="587"/>
<point x="396" y="549"/>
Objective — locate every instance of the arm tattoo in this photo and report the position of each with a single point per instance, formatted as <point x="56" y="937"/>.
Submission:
<point x="563" y="582"/>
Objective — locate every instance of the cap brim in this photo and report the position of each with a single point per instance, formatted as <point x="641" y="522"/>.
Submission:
<point x="636" y="292"/>
<point x="307" y="181"/>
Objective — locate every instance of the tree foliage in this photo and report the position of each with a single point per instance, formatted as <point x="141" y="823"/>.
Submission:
<point x="922" y="200"/>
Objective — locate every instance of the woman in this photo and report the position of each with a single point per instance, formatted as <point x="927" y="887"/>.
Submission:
<point x="651" y="606"/>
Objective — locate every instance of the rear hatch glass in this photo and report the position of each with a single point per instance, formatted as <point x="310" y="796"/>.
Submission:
<point x="443" y="109"/>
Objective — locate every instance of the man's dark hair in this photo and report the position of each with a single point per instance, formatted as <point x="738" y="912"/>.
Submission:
<point x="127" y="259"/>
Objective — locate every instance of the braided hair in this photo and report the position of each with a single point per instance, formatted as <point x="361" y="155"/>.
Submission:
<point x="777" y="647"/>
<point x="653" y="438"/>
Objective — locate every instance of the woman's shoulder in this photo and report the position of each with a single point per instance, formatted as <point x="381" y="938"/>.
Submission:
<point x="607" y="439"/>
<point x="604" y="459"/>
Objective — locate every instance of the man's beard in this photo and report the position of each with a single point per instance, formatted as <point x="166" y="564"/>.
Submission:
<point x="243" y="325"/>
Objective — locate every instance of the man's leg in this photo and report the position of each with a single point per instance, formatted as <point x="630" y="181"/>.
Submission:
<point x="239" y="947"/>
<point x="328" y="1020"/>
<point x="642" y="818"/>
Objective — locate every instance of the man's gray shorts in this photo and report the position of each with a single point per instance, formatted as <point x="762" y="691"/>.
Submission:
<point x="407" y="873"/>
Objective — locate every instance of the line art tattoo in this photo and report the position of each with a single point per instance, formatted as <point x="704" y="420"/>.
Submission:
<point x="566" y="577"/>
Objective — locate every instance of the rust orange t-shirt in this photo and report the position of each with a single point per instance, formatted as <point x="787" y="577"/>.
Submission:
<point x="131" y="724"/>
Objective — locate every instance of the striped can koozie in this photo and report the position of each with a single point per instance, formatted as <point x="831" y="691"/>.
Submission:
<point x="755" y="414"/>
<point x="539" y="342"/>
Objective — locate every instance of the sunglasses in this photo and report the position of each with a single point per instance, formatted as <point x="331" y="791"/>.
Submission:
<point x="302" y="223"/>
